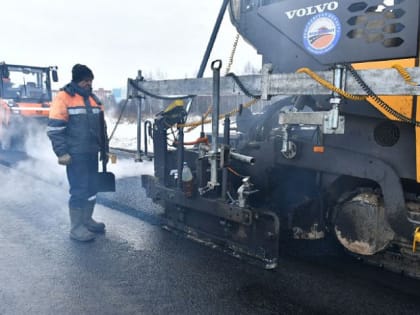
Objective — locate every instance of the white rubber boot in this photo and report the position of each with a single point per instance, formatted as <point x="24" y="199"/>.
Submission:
<point x="78" y="230"/>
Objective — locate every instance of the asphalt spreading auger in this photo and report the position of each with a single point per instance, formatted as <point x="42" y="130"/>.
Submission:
<point x="334" y="153"/>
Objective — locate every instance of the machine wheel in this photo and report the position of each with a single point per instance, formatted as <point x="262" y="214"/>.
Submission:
<point x="360" y="223"/>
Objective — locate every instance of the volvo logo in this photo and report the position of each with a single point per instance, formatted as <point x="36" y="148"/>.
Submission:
<point x="312" y="10"/>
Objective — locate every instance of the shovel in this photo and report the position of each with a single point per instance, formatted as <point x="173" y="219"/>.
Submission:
<point x="105" y="181"/>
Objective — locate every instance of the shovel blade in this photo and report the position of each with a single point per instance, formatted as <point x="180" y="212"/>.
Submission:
<point x="105" y="181"/>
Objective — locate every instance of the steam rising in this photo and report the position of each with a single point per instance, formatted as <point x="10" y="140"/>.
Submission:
<point x="43" y="163"/>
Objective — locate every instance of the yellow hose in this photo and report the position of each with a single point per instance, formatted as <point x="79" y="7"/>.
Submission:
<point x="401" y="70"/>
<point x="405" y="75"/>
<point x="329" y="85"/>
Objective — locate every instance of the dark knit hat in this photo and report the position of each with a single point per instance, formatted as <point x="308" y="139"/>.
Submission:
<point x="80" y="73"/>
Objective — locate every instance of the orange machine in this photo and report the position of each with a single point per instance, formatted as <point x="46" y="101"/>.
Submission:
<point x="25" y="93"/>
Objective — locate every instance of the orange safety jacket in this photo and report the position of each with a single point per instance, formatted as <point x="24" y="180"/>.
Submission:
<point x="74" y="124"/>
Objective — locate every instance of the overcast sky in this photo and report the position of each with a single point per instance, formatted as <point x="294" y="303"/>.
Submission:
<point x="117" y="38"/>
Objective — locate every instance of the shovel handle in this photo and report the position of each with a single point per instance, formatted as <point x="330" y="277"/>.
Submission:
<point x="103" y="140"/>
<point x="104" y="164"/>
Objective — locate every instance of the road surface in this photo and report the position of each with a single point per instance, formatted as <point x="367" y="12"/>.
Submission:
<point x="139" y="268"/>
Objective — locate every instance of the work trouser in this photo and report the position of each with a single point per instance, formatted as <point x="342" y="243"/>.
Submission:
<point x="81" y="174"/>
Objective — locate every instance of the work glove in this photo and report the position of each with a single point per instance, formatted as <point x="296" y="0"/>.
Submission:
<point x="64" y="159"/>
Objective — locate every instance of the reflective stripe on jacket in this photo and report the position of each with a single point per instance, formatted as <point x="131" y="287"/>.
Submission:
<point x="74" y="122"/>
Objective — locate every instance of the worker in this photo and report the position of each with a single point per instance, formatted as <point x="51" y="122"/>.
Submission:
<point x="74" y="128"/>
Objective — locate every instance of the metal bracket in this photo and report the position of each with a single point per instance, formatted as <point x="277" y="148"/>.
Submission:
<point x="265" y="81"/>
<point x="329" y="121"/>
